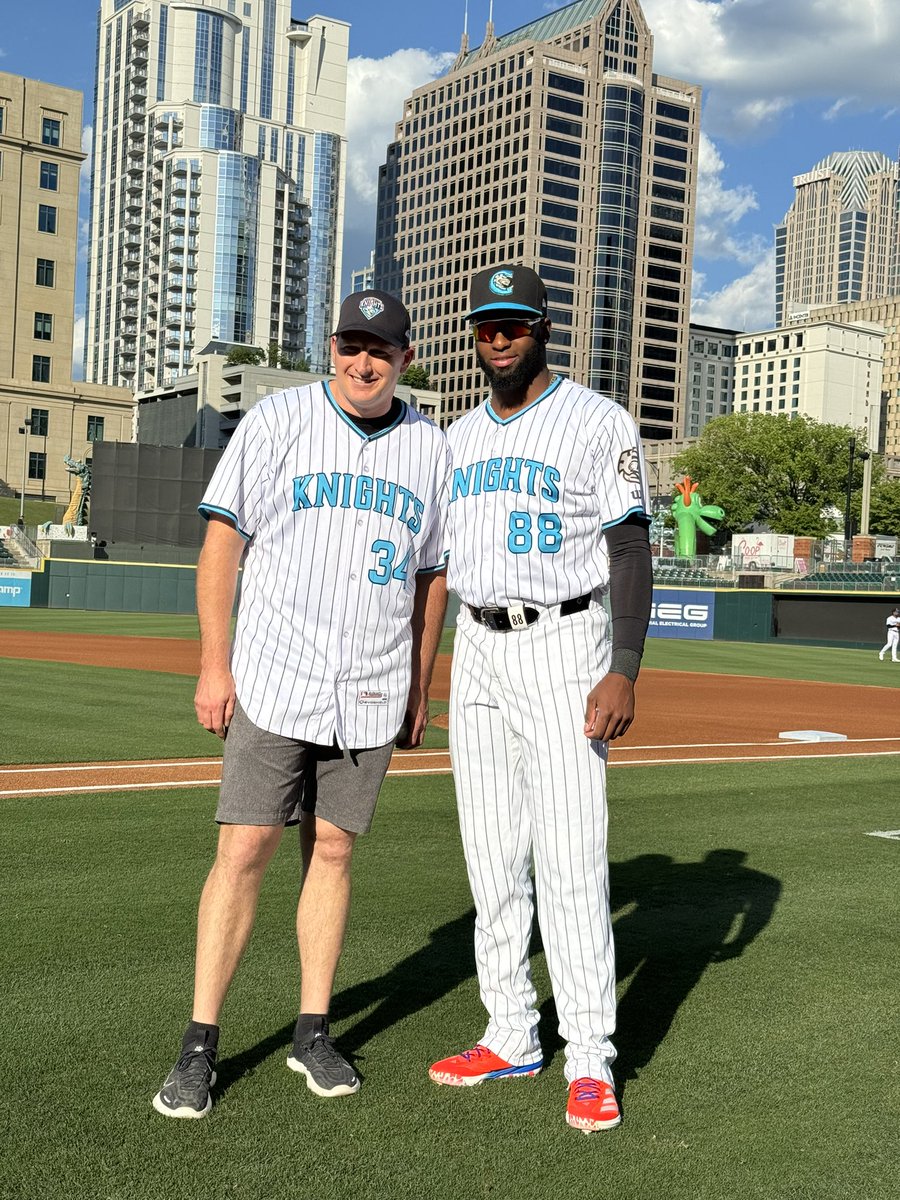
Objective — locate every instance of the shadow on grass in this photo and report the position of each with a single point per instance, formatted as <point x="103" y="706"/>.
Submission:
<point x="409" y="986"/>
<point x="679" y="920"/>
<point x="675" y="921"/>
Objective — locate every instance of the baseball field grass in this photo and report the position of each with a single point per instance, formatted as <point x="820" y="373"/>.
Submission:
<point x="755" y="920"/>
<point x="756" y="938"/>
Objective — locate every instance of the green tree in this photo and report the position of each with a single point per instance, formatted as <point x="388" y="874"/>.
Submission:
<point x="292" y="362"/>
<point x="416" y="375"/>
<point x="884" y="512"/>
<point x="245" y="356"/>
<point x="783" y="471"/>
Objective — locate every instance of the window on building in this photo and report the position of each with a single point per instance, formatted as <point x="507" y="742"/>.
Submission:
<point x="50" y="131"/>
<point x="46" y="218"/>
<point x="40" y="421"/>
<point x="40" y="368"/>
<point x="43" y="326"/>
<point x="46" y="272"/>
<point x="49" y="177"/>
<point x="37" y="464"/>
<point x="95" y="429"/>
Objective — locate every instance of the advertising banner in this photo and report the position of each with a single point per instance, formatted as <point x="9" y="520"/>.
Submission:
<point x="682" y="613"/>
<point x="15" y="589"/>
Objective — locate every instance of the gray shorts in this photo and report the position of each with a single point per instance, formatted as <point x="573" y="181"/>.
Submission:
<point x="269" y="780"/>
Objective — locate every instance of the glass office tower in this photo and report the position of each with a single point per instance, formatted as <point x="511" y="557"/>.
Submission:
<point x="217" y="194"/>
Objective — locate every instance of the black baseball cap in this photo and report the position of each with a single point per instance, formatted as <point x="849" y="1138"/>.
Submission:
<point x="507" y="289"/>
<point x="378" y="313"/>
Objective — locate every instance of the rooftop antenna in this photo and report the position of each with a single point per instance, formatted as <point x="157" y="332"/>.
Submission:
<point x="464" y="42"/>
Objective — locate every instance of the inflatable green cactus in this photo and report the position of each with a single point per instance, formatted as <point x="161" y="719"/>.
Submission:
<point x="691" y="514"/>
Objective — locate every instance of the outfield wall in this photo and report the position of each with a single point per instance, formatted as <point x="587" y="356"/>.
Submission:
<point x="853" y="620"/>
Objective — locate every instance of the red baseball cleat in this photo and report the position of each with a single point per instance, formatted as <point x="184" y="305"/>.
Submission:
<point x="592" y="1106"/>
<point x="476" y="1065"/>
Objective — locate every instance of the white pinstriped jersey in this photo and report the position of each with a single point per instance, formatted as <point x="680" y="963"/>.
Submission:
<point x="531" y="495"/>
<point x="338" y="523"/>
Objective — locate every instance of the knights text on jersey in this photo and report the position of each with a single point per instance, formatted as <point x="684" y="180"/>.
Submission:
<point x="531" y="495"/>
<point x="338" y="524"/>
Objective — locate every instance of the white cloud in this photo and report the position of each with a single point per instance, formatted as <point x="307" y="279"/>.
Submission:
<point x="720" y="208"/>
<point x="376" y="90"/>
<point x="746" y="303"/>
<point x="84" y="230"/>
<point x="78" y="348"/>
<point x="87" y="145"/>
<point x="756" y="58"/>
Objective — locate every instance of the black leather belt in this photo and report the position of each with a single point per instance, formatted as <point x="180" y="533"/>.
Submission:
<point x="500" y="620"/>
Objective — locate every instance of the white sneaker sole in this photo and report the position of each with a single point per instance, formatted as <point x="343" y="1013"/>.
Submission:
<point x="341" y="1089"/>
<point x="190" y="1114"/>
<point x="451" y="1080"/>
<point x="592" y="1126"/>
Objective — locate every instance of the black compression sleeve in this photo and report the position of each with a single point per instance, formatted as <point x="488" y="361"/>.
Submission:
<point x="630" y="592"/>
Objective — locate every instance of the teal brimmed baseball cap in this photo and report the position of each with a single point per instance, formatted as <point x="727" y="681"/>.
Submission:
<point x="507" y="289"/>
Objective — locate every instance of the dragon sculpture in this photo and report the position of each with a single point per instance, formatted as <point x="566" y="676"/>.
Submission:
<point x="76" y="513"/>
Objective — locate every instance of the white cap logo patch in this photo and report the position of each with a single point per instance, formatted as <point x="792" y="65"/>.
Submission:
<point x="371" y="307"/>
<point x="501" y="283"/>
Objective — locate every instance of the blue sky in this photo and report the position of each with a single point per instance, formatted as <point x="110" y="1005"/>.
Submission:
<point x="786" y="82"/>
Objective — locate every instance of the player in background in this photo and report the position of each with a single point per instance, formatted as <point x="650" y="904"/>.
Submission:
<point x="334" y="497"/>
<point x="548" y="510"/>
<point x="893" y="636"/>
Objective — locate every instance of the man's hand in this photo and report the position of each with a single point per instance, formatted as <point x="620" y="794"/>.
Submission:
<point x="412" y="731"/>
<point x="610" y="708"/>
<point x="214" y="700"/>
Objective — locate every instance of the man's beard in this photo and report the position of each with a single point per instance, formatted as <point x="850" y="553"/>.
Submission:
<point x="518" y="377"/>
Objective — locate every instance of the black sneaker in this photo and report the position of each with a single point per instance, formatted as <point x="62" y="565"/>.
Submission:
<point x="185" y="1092"/>
<point x="327" y="1072"/>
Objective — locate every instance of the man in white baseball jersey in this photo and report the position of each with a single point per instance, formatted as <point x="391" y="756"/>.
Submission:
<point x="893" y="636"/>
<point x="334" y="496"/>
<point x="548" y="511"/>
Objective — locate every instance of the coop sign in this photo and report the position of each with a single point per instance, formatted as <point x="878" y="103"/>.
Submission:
<point x="682" y="614"/>
<point x="15" y="589"/>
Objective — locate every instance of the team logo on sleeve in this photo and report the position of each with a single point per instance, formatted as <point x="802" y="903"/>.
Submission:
<point x="371" y="307"/>
<point x="630" y="465"/>
<point x="501" y="283"/>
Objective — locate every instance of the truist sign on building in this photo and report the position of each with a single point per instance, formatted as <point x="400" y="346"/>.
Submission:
<point x="682" y="614"/>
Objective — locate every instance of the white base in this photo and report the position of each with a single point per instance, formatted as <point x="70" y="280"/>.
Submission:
<point x="811" y="735"/>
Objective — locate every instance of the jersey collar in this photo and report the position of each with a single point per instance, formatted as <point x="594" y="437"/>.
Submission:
<point x="366" y="437"/>
<point x="554" y="384"/>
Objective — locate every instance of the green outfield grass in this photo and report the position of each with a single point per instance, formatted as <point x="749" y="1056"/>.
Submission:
<point x="61" y="713"/>
<point x="121" y="624"/>
<point x="756" y="939"/>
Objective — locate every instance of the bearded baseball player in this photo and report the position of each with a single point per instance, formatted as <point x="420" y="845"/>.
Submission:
<point x="548" y="511"/>
<point x="334" y="496"/>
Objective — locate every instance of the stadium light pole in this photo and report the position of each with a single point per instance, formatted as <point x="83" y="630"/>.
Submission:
<point x="848" y="526"/>
<point x="24" y="429"/>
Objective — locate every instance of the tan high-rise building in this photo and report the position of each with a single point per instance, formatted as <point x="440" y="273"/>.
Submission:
<point x="839" y="239"/>
<point x="555" y="145"/>
<point x="40" y="160"/>
<point x="44" y="416"/>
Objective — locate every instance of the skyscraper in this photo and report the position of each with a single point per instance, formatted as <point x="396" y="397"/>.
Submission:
<point x="839" y="239"/>
<point x="555" y="145"/>
<point x="217" y="199"/>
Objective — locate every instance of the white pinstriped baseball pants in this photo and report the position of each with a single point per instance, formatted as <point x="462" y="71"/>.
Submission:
<point x="530" y="784"/>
